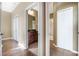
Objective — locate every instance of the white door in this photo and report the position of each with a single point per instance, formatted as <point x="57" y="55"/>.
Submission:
<point x="65" y="28"/>
<point x="15" y="28"/>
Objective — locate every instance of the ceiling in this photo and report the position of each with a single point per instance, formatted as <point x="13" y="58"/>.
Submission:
<point x="9" y="6"/>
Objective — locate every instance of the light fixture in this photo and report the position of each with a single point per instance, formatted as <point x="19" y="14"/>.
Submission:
<point x="30" y="12"/>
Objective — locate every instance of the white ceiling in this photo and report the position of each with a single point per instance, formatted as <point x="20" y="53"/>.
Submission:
<point x="9" y="6"/>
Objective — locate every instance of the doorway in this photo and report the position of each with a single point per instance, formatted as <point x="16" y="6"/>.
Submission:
<point x="35" y="28"/>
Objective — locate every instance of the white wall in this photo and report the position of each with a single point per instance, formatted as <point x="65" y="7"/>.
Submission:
<point x="6" y="24"/>
<point x="20" y="11"/>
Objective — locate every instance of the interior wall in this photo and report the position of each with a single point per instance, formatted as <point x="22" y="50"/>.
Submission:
<point x="36" y="19"/>
<point x="51" y="28"/>
<point x="20" y="11"/>
<point x="30" y="20"/>
<point x="75" y="27"/>
<point x="6" y="24"/>
<point x="35" y="14"/>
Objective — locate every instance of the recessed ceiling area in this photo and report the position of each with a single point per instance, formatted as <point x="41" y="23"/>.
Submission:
<point x="9" y="6"/>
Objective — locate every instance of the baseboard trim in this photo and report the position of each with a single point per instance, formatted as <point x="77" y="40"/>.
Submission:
<point x="66" y="49"/>
<point x="7" y="38"/>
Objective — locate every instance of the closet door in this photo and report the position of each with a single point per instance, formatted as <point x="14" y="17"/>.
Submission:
<point x="65" y="28"/>
<point x="15" y="28"/>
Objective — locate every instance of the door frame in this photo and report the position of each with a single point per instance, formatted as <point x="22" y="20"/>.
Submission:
<point x="78" y="28"/>
<point x="47" y="29"/>
<point x="40" y="27"/>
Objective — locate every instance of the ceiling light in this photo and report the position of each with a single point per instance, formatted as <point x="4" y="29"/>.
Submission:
<point x="30" y="12"/>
